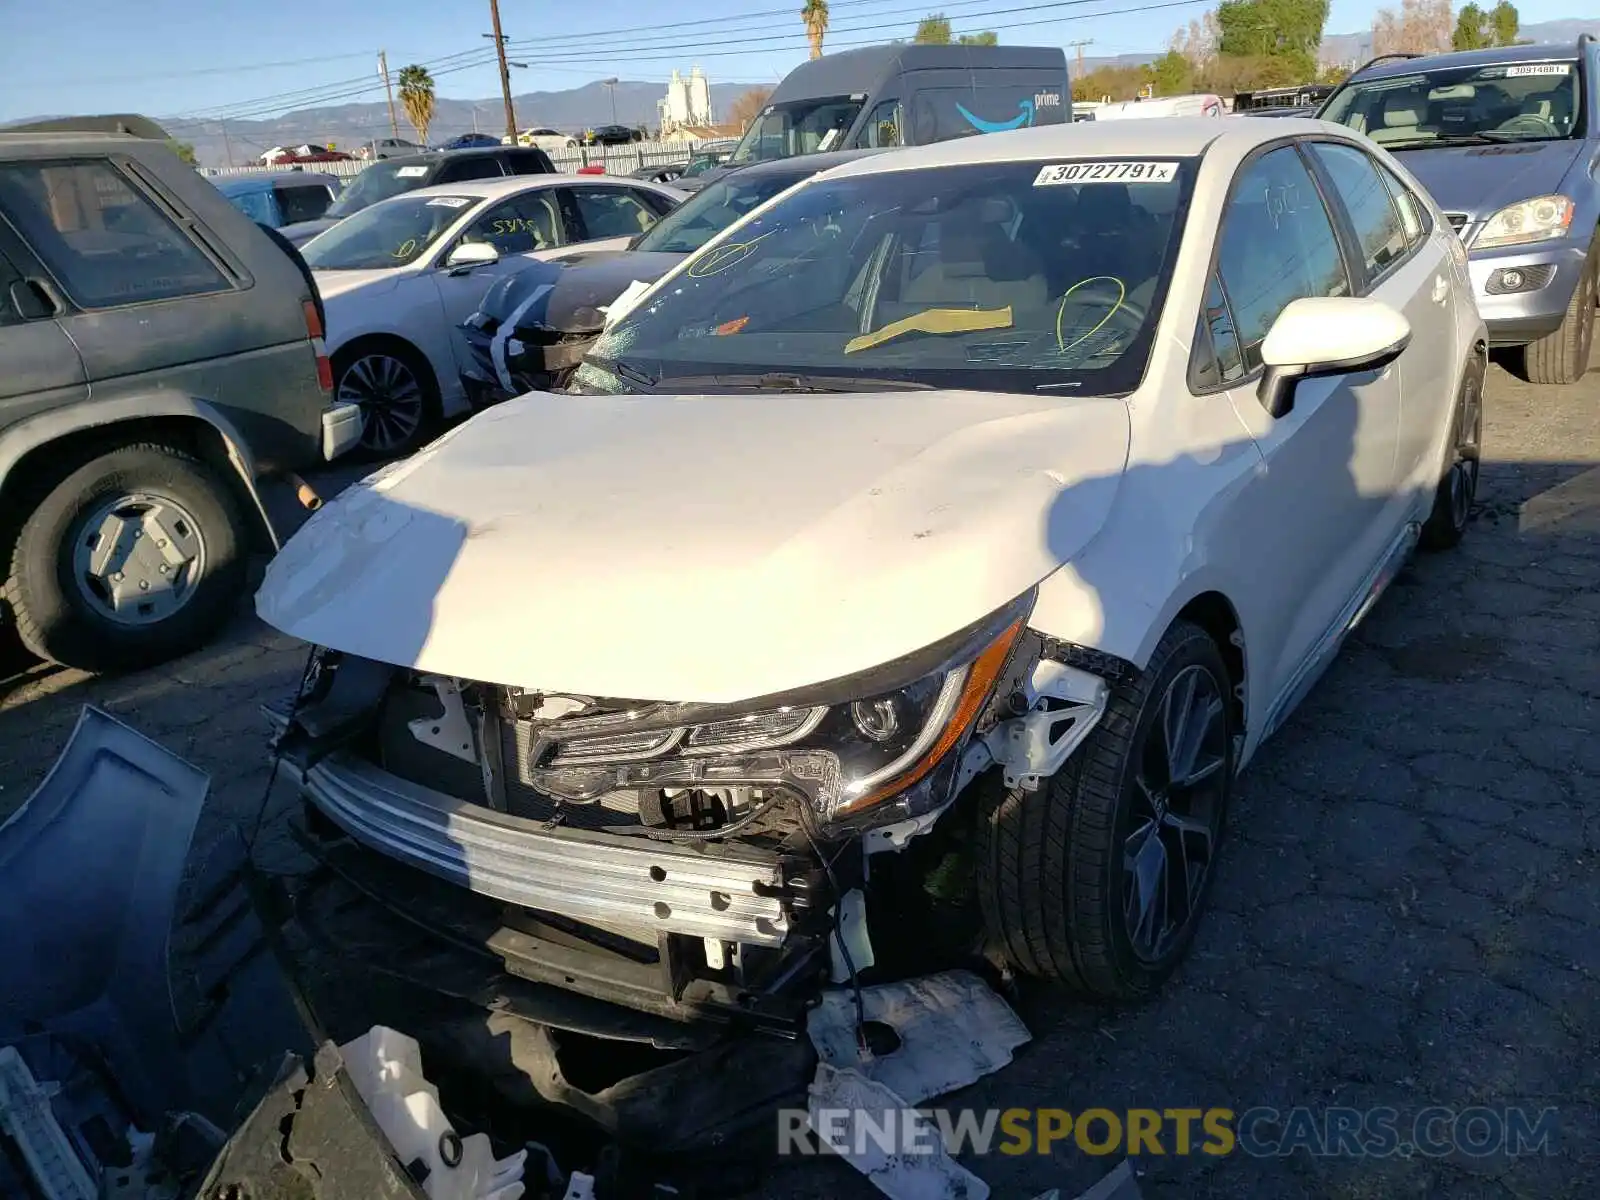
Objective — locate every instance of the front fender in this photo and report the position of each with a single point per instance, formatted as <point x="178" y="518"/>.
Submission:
<point x="21" y="439"/>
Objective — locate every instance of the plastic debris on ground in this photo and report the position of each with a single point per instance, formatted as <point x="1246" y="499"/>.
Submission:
<point x="28" y="1120"/>
<point x="860" y="1120"/>
<point x="386" y="1068"/>
<point x="952" y="1028"/>
<point x="1119" y="1185"/>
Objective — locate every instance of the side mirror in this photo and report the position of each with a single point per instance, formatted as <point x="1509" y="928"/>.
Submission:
<point x="1332" y="335"/>
<point x="471" y="254"/>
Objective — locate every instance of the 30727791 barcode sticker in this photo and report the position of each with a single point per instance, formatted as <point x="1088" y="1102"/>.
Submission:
<point x="1107" y="172"/>
<point x="1539" y="69"/>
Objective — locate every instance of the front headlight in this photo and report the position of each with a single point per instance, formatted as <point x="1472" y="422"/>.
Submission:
<point x="1536" y="220"/>
<point x="846" y="746"/>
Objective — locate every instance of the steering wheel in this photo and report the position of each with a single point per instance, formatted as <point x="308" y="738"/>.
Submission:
<point x="1529" y="123"/>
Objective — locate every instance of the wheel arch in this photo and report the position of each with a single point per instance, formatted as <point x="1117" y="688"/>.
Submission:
<point x="57" y="442"/>
<point x="1214" y="612"/>
<point x="394" y="343"/>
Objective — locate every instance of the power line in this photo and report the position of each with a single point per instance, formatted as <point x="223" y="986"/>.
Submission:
<point x="161" y="76"/>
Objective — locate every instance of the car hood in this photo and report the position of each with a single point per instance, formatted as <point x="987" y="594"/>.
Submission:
<point x="301" y="232"/>
<point x="333" y="284"/>
<point x="1481" y="180"/>
<point x="566" y="295"/>
<point x="700" y="548"/>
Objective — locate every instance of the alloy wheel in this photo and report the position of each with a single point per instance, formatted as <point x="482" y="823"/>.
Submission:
<point x="138" y="558"/>
<point x="1175" y="823"/>
<point x="391" y="398"/>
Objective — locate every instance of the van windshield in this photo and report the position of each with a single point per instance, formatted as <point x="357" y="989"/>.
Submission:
<point x="801" y="127"/>
<point x="1506" y="102"/>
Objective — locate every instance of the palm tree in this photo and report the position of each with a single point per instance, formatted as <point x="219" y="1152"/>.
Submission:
<point x="416" y="93"/>
<point x="815" y="15"/>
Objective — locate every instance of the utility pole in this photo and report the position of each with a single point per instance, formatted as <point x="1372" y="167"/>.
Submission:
<point x="383" y="69"/>
<point x="227" y="147"/>
<point x="505" y="69"/>
<point x="1078" y="46"/>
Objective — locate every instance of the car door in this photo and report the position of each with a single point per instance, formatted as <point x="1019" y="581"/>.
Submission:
<point x="526" y="226"/>
<point x="43" y="369"/>
<point x="1404" y="269"/>
<point x="1313" y="522"/>
<point x="601" y="217"/>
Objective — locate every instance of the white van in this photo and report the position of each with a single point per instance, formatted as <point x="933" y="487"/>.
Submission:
<point x="1201" y="105"/>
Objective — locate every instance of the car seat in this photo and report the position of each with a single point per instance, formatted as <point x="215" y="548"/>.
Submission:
<point x="1402" y="117"/>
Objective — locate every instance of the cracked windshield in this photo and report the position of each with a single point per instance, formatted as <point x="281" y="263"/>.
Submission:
<point x="1025" y="276"/>
<point x="1508" y="102"/>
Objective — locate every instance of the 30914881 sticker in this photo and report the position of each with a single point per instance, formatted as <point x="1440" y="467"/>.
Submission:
<point x="1106" y="172"/>
<point x="449" y="202"/>
<point x="1538" y="69"/>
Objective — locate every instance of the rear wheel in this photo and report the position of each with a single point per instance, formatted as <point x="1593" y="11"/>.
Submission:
<point x="1097" y="880"/>
<point x="130" y="560"/>
<point x="1563" y="355"/>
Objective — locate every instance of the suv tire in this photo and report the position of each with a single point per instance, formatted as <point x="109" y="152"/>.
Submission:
<point x="1053" y="877"/>
<point x="1562" y="356"/>
<point x="57" y="583"/>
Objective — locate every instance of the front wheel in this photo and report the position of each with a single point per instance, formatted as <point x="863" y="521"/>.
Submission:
<point x="395" y="391"/>
<point x="1562" y="356"/>
<point x="1097" y="880"/>
<point x="130" y="560"/>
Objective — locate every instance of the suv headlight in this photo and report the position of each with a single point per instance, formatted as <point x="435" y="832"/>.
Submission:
<point x="1536" y="220"/>
<point x="846" y="746"/>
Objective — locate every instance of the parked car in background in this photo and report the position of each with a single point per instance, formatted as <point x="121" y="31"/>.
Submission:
<point x="613" y="135"/>
<point x="534" y="326"/>
<point x="398" y="175"/>
<point x="398" y="277"/>
<point x="547" y="139"/>
<point x="162" y="354"/>
<point x="281" y="199"/>
<point x="1268" y="101"/>
<point x="1200" y="105"/>
<point x="394" y="147"/>
<point x="1506" y="140"/>
<point x="703" y="163"/>
<point x="971" y="515"/>
<point x="471" y="141"/>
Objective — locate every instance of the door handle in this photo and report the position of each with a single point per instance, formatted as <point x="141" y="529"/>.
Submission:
<point x="1441" y="289"/>
<point x="36" y="299"/>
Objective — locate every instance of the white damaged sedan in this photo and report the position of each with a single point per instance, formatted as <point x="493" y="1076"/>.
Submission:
<point x="952" y="530"/>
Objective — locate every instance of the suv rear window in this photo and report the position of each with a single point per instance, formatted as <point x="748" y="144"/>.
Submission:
<point x="106" y="242"/>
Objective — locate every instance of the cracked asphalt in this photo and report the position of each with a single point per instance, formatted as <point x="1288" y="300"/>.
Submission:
<point x="1407" y="913"/>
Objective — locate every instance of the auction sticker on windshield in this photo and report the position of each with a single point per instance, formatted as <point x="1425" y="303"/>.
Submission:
<point x="1107" y="172"/>
<point x="411" y="172"/>
<point x="449" y="202"/>
<point x="1539" y="69"/>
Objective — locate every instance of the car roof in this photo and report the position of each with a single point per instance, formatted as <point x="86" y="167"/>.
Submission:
<point x="803" y="164"/>
<point x="433" y="157"/>
<point x="1178" y="137"/>
<point x="491" y="189"/>
<point x="1472" y="58"/>
<point x="243" y="185"/>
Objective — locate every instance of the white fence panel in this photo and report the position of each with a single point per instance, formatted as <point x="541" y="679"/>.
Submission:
<point x="617" y="160"/>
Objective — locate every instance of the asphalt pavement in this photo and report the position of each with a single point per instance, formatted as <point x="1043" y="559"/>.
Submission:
<point x="1407" y="914"/>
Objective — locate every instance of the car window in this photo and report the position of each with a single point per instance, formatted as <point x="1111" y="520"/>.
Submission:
<point x="392" y="234"/>
<point x="1217" y="358"/>
<point x="260" y="207"/>
<point x="529" y="162"/>
<point x="484" y="167"/>
<point x="611" y="212"/>
<point x="520" y="225"/>
<point x="654" y="201"/>
<point x="8" y="308"/>
<point x="105" y="241"/>
<point x="882" y="127"/>
<point x="1413" y="212"/>
<point x="1014" y="276"/>
<point x="307" y="203"/>
<point x="1379" y="231"/>
<point x="1277" y="246"/>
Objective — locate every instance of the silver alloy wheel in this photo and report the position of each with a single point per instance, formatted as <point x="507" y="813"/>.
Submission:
<point x="1176" y="820"/>
<point x="391" y="399"/>
<point x="139" y="558"/>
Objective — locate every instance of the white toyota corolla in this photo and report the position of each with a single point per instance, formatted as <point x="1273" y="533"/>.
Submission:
<point x="397" y="278"/>
<point x="958" y="524"/>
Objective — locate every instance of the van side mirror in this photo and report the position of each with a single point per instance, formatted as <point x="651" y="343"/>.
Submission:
<point x="1327" y="335"/>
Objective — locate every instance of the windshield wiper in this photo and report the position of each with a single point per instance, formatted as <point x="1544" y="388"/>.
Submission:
<point x="631" y="375"/>
<point x="789" y="381"/>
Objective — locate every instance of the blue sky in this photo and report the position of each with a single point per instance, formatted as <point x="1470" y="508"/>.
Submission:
<point x="169" y="58"/>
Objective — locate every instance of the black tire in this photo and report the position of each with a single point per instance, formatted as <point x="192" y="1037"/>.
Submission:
<point x="1562" y="356"/>
<point x="56" y="617"/>
<point x="1051" y="877"/>
<point x="1458" y="486"/>
<point x="392" y="426"/>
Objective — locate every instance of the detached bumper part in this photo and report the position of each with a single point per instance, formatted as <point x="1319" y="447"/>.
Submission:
<point x="341" y="429"/>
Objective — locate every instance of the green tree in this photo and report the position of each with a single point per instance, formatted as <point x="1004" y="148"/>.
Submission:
<point x="1505" y="22"/>
<point x="1172" y="74"/>
<point x="987" y="38"/>
<point x="815" y="16"/>
<point x="1287" y="30"/>
<point x="1469" y="30"/>
<point x="934" y="30"/>
<point x="184" y="150"/>
<point x="416" y="93"/>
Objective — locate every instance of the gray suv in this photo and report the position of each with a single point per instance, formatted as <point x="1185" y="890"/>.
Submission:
<point x="161" y="352"/>
<point x="1506" y="141"/>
